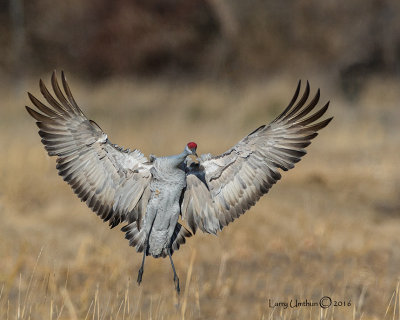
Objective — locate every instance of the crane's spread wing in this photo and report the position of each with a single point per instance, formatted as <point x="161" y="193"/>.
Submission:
<point x="219" y="189"/>
<point x="111" y="180"/>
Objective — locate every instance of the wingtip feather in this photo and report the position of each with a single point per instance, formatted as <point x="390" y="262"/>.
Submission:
<point x="36" y="115"/>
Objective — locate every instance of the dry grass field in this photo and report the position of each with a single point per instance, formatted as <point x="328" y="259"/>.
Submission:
<point x="330" y="227"/>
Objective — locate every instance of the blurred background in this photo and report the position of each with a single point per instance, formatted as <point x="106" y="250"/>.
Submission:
<point x="157" y="74"/>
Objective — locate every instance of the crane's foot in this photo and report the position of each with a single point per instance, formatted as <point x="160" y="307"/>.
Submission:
<point x="140" y="275"/>
<point x="176" y="281"/>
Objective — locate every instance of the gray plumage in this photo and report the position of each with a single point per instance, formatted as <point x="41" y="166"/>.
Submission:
<point x="123" y="186"/>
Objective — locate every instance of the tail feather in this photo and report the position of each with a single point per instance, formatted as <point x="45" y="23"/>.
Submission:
<point x="137" y="238"/>
<point x="178" y="237"/>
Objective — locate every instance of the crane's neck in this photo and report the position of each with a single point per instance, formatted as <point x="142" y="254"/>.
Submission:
<point x="173" y="161"/>
<point x="179" y="158"/>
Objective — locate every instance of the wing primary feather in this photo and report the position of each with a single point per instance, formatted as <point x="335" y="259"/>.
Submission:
<point x="292" y="152"/>
<point x="301" y="102"/>
<point x="296" y="94"/>
<point x="42" y="107"/>
<point x="297" y="145"/>
<point x="308" y="109"/>
<point x="318" y="126"/>
<point x="52" y="127"/>
<point x="301" y="138"/>
<point x="69" y="94"/>
<point x="50" y="99"/>
<point x="58" y="92"/>
<point x="38" y="116"/>
<point x="315" y="116"/>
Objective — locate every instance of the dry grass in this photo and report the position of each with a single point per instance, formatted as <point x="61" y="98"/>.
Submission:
<point x="330" y="227"/>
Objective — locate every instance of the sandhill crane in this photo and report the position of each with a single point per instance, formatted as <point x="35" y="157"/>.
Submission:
<point x="149" y="195"/>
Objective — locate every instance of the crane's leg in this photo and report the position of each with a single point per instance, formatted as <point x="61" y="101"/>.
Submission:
<point x="146" y="244"/>
<point x="140" y="273"/>
<point x="176" y="279"/>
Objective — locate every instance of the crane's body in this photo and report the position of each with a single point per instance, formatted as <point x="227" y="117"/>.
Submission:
<point x="123" y="186"/>
<point x="168" y="181"/>
<point x="163" y="209"/>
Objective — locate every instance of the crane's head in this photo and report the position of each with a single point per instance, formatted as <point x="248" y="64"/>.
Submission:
<point x="191" y="148"/>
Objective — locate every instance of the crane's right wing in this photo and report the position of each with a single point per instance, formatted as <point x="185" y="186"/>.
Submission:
<point x="221" y="188"/>
<point x="111" y="180"/>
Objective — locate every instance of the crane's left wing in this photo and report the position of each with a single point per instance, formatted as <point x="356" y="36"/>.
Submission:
<point x="111" y="180"/>
<point x="219" y="189"/>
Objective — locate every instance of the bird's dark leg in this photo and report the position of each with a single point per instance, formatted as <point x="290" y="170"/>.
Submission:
<point x="176" y="279"/>
<point x="140" y="273"/>
<point x="145" y="249"/>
